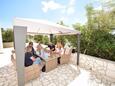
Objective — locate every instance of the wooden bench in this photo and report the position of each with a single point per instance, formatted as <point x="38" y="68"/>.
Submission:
<point x="31" y="72"/>
<point x="50" y="63"/>
<point x="65" y="58"/>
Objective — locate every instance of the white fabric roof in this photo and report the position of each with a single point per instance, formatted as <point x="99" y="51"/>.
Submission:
<point x="43" y="27"/>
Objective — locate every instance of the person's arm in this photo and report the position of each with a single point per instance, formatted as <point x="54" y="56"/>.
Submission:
<point x="33" y="51"/>
<point x="62" y="51"/>
<point x="38" y="56"/>
<point x="33" y="58"/>
<point x="46" y="49"/>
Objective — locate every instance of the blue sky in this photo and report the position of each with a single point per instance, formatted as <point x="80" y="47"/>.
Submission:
<point x="70" y="11"/>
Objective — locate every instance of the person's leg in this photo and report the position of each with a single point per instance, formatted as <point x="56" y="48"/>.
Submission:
<point x="37" y="61"/>
<point x="42" y="65"/>
<point x="46" y="55"/>
<point x="58" y="60"/>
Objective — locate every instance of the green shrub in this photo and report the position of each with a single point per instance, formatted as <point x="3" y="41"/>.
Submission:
<point x="7" y="35"/>
<point x="45" y="40"/>
<point x="99" y="43"/>
<point x="38" y="38"/>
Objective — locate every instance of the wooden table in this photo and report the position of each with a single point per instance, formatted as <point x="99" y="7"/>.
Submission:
<point x="50" y="63"/>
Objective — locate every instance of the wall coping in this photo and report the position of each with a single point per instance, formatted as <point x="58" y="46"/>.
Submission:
<point x="97" y="58"/>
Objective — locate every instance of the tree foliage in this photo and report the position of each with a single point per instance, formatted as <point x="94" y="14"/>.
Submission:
<point x="38" y="38"/>
<point x="96" y="37"/>
<point x="41" y="39"/>
<point x="7" y="35"/>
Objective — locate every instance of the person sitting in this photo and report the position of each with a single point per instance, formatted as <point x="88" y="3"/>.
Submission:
<point x="43" y="53"/>
<point x="30" y="58"/>
<point x="59" y="50"/>
<point x="31" y="46"/>
<point x="51" y="46"/>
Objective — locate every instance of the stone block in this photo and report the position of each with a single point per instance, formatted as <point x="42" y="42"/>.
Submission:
<point x="111" y="66"/>
<point x="110" y="73"/>
<point x="113" y="84"/>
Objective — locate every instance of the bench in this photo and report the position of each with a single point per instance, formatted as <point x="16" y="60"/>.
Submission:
<point x="65" y="58"/>
<point x="31" y="72"/>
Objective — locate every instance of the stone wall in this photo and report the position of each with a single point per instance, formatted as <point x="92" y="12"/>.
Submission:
<point x="8" y="44"/>
<point x="102" y="68"/>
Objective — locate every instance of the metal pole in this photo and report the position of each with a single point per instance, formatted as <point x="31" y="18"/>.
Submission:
<point x="51" y="37"/>
<point x="78" y="48"/>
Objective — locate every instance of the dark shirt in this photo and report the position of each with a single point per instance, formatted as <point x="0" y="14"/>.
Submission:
<point x="28" y="60"/>
<point x="52" y="47"/>
<point x="33" y="51"/>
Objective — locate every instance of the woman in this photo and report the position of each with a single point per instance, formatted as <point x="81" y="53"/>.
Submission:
<point x="31" y="46"/>
<point x="59" y="50"/>
<point x="30" y="58"/>
<point x="40" y="51"/>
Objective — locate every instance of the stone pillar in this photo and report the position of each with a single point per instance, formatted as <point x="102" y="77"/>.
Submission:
<point x="1" y="43"/>
<point x="19" y="41"/>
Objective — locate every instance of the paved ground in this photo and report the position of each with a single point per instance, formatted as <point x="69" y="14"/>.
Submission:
<point x="63" y="75"/>
<point x="5" y="57"/>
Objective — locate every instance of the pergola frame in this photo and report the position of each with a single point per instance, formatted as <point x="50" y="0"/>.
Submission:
<point x="20" y="33"/>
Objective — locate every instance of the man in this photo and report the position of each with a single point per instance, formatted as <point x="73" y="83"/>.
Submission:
<point x="51" y="46"/>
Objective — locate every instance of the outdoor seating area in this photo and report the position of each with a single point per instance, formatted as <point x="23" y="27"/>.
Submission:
<point x="63" y="75"/>
<point x="51" y="64"/>
<point x="57" y="43"/>
<point x="22" y="27"/>
<point x="54" y="60"/>
<point x="31" y="72"/>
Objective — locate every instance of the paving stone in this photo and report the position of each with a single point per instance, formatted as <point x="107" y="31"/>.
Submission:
<point x="61" y="76"/>
<point x="112" y="84"/>
<point x="28" y="84"/>
<point x="1" y="84"/>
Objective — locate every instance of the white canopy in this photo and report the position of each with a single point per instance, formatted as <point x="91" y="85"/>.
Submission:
<point x="23" y="26"/>
<point x="43" y="27"/>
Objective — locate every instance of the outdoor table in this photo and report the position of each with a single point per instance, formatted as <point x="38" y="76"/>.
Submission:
<point x="50" y="63"/>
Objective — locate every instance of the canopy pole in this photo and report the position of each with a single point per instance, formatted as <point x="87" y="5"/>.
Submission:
<point x="20" y="39"/>
<point x="78" y="48"/>
<point x="51" y="38"/>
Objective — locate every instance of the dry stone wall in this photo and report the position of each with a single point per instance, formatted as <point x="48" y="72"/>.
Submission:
<point x="102" y="68"/>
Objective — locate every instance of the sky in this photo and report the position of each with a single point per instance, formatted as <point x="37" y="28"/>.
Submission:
<point x="69" y="11"/>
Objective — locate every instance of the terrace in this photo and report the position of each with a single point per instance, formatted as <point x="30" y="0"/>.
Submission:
<point x="63" y="75"/>
<point x="81" y="70"/>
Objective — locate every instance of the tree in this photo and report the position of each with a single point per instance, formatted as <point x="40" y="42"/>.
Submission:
<point x="38" y="38"/>
<point x="96" y="39"/>
<point x="7" y="35"/>
<point x="89" y="10"/>
<point x="61" y="38"/>
<point x="29" y="38"/>
<point x="45" y="40"/>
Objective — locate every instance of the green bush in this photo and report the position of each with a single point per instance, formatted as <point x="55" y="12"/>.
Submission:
<point x="29" y="38"/>
<point x="99" y="43"/>
<point x="7" y="35"/>
<point x="102" y="45"/>
<point x="41" y="39"/>
<point x="38" y="38"/>
<point x="45" y="40"/>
